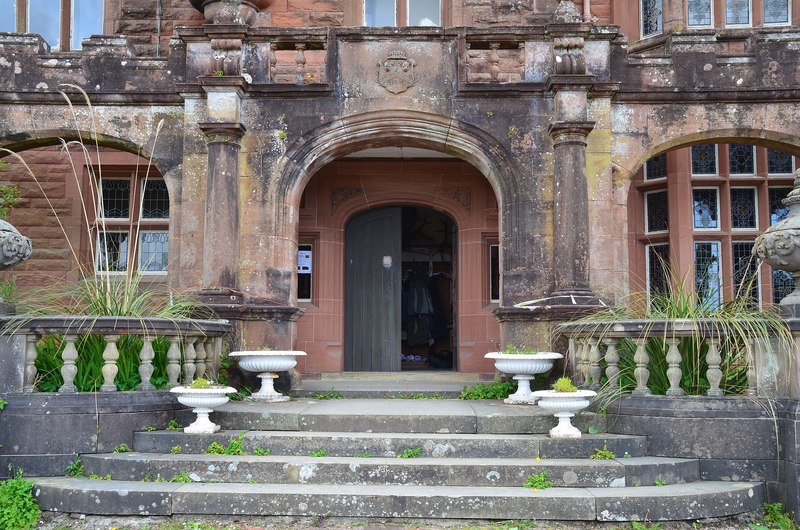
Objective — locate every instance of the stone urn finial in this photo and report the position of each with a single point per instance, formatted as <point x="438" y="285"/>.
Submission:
<point x="230" y="11"/>
<point x="14" y="249"/>
<point x="566" y="12"/>
<point x="779" y="245"/>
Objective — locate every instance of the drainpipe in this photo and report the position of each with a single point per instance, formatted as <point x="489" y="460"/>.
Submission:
<point x="159" y="14"/>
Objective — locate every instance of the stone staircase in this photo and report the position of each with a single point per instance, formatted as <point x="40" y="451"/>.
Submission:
<point x="475" y="458"/>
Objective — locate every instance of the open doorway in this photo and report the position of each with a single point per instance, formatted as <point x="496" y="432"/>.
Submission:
<point x="400" y="290"/>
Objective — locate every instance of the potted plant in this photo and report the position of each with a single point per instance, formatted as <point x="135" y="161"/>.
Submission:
<point x="202" y="396"/>
<point x="524" y="365"/>
<point x="266" y="363"/>
<point x="564" y="400"/>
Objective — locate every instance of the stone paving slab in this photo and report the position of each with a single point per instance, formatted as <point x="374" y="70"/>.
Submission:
<point x="104" y="497"/>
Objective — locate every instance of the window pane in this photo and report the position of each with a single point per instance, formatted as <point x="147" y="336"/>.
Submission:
<point x="699" y="12"/>
<point x="743" y="208"/>
<point x="737" y="12"/>
<point x="776" y="11"/>
<point x="153" y="251"/>
<point x="704" y="159"/>
<point x="706" y="211"/>
<point x="379" y="13"/>
<point x="112" y="252"/>
<point x="657" y="212"/>
<point x="424" y="13"/>
<point x="745" y="271"/>
<point x="652" y="18"/>
<point x="777" y="210"/>
<point x="116" y="198"/>
<point x="155" y="203"/>
<point x="741" y="159"/>
<point x="782" y="285"/>
<point x="87" y="20"/>
<point x="494" y="272"/>
<point x="658" y="270"/>
<point x="656" y="167"/>
<point x="44" y="18"/>
<point x="8" y="15"/>
<point x="304" y="268"/>
<point x="707" y="274"/>
<point x="779" y="163"/>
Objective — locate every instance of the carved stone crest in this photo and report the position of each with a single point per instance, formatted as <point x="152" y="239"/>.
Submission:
<point x="397" y="72"/>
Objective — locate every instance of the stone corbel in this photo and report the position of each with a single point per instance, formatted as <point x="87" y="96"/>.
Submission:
<point x="226" y="57"/>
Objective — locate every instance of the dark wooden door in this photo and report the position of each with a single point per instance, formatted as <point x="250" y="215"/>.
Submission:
<point x="373" y="259"/>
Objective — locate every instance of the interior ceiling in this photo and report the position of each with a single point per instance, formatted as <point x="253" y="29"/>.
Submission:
<point x="398" y="152"/>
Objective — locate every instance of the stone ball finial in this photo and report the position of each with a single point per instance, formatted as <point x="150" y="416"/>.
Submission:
<point x="230" y="11"/>
<point x="14" y="247"/>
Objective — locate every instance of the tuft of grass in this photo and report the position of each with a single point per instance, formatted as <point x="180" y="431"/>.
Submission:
<point x="660" y="483"/>
<point x="122" y="448"/>
<point x="538" y="481"/>
<point x="493" y="390"/>
<point x="603" y="454"/>
<point x="176" y="450"/>
<point x="234" y="448"/>
<point x="18" y="508"/>
<point x="415" y="452"/>
<point x="173" y="425"/>
<point x="328" y="394"/>
<point x="319" y="453"/>
<point x="260" y="451"/>
<point x="75" y="469"/>
<point x="182" y="478"/>
<point x="364" y="454"/>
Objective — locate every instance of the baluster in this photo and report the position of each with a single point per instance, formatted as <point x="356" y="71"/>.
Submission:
<point x="300" y="59"/>
<point x="641" y="373"/>
<point x="273" y="61"/>
<point x="752" y="375"/>
<point x="69" y="370"/>
<point x="584" y="349"/>
<point x="216" y="355"/>
<point x="714" y="374"/>
<point x="189" y="355"/>
<point x="595" y="370"/>
<point x="210" y="354"/>
<point x="30" y="362"/>
<point x="494" y="61"/>
<point x="674" y="371"/>
<point x="200" y="358"/>
<point x="612" y="362"/>
<point x="146" y="357"/>
<point x="173" y="362"/>
<point x="110" y="369"/>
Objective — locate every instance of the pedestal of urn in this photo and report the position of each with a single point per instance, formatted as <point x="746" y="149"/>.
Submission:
<point x="266" y="363"/>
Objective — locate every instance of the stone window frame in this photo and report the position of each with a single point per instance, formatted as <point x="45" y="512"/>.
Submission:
<point x="354" y="13"/>
<point x="647" y="195"/>
<point x="65" y="30"/>
<point x="310" y="240"/>
<point x="491" y="243"/>
<point x="134" y="225"/>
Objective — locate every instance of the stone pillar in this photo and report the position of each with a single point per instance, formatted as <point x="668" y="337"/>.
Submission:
<point x="221" y="237"/>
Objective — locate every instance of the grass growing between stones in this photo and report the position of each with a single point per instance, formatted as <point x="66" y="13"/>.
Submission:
<point x="493" y="390"/>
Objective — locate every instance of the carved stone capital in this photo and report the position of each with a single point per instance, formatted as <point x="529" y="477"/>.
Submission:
<point x="570" y="132"/>
<point x="223" y="133"/>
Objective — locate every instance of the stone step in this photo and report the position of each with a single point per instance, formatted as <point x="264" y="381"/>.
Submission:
<point x="395" y="415"/>
<point x="482" y="472"/>
<point x="392" y="444"/>
<point x="677" y="501"/>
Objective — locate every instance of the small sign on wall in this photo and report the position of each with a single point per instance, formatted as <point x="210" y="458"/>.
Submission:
<point x="304" y="261"/>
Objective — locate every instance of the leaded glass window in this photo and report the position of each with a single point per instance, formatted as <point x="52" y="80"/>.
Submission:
<point x="782" y="285"/>
<point x="779" y="163"/>
<point x="155" y="202"/>
<point x="737" y="12"/>
<point x="657" y="211"/>
<point x="116" y="198"/>
<point x="652" y="17"/>
<point x="706" y="208"/>
<point x="707" y="277"/>
<point x="153" y="250"/>
<point x="658" y="270"/>
<point x="744" y="214"/>
<point x="776" y="11"/>
<point x="699" y="12"/>
<point x="112" y="252"/>
<point x="656" y="167"/>
<point x="742" y="159"/>
<point x="745" y="271"/>
<point x="777" y="210"/>
<point x="704" y="159"/>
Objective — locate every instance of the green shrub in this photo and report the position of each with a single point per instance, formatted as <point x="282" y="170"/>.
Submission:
<point x="18" y="509"/>
<point x="564" y="384"/>
<point x="493" y="390"/>
<point x="75" y="469"/>
<point x="234" y="448"/>
<point x="538" y="481"/>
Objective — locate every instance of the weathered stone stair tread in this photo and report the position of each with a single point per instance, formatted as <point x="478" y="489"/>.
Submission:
<point x="391" y="444"/>
<point x="394" y="415"/>
<point x="679" y="501"/>
<point x="508" y="472"/>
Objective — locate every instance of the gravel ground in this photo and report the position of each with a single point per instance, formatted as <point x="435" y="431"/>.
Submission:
<point x="52" y="521"/>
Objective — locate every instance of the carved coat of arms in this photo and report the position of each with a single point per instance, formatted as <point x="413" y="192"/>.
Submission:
<point x="397" y="72"/>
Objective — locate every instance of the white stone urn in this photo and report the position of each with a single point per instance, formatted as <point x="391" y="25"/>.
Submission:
<point x="564" y="405"/>
<point x="524" y="367"/>
<point x="203" y="401"/>
<point x="266" y="363"/>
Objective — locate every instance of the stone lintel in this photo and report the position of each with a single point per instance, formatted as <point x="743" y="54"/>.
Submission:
<point x="557" y="83"/>
<point x="226" y="31"/>
<point x="569" y="29"/>
<point x="222" y="132"/>
<point x="234" y="304"/>
<point x="565" y="132"/>
<point x="553" y="309"/>
<point x="223" y="83"/>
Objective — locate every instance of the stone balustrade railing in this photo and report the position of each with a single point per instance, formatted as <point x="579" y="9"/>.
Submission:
<point x="766" y="364"/>
<point x="193" y="352"/>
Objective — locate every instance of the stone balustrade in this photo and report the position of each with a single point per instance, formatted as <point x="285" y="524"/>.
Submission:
<point x="193" y="352"/>
<point x="764" y="367"/>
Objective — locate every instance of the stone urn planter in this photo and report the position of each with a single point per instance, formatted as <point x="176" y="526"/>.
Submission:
<point x="266" y="363"/>
<point x="524" y="367"/>
<point x="230" y="11"/>
<point x="564" y="405"/>
<point x="203" y="401"/>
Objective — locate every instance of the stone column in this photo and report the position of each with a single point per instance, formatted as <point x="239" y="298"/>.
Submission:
<point x="221" y="237"/>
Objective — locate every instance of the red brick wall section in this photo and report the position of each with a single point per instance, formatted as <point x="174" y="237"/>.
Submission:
<point x="138" y="20"/>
